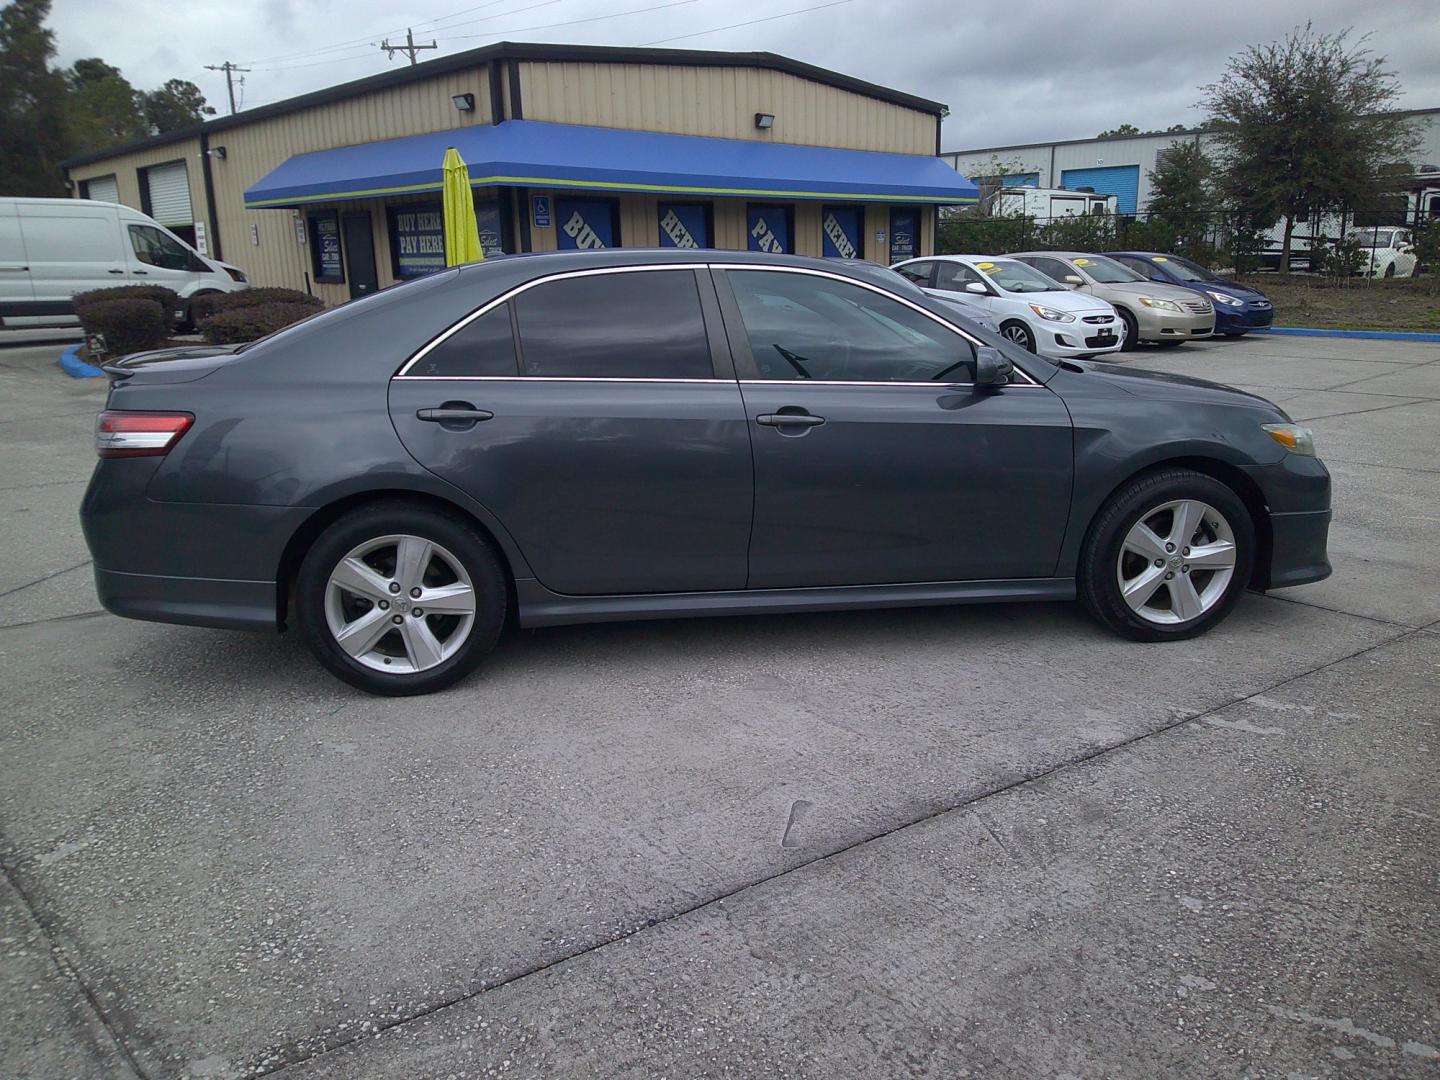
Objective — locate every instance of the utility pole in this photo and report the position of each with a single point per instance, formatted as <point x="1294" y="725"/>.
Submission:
<point x="409" y="48"/>
<point x="229" y="69"/>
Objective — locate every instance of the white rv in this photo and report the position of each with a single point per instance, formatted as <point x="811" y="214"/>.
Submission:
<point x="1046" y="203"/>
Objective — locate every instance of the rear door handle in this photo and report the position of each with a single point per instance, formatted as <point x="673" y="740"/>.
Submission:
<point x="465" y="416"/>
<point x="789" y="420"/>
<point x="114" y="271"/>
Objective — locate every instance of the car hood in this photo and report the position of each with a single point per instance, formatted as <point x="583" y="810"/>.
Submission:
<point x="1147" y="288"/>
<point x="1156" y="384"/>
<point x="1230" y="288"/>
<point x="1076" y="303"/>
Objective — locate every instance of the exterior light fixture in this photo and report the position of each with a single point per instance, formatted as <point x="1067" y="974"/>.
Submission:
<point x="216" y="152"/>
<point x="764" y="120"/>
<point x="464" y="102"/>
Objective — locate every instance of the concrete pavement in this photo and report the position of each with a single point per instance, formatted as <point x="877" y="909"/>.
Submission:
<point x="987" y="841"/>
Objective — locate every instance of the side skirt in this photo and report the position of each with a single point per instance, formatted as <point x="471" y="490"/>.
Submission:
<point x="538" y="606"/>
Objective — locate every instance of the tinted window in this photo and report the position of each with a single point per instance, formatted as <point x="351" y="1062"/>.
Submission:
<point x="802" y="326"/>
<point x="484" y="347"/>
<point x="917" y="272"/>
<point x="155" y="248"/>
<point x="642" y="325"/>
<point x="1050" y="267"/>
<point x="955" y="276"/>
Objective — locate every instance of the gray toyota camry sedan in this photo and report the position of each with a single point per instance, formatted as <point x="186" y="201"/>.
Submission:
<point x="578" y="437"/>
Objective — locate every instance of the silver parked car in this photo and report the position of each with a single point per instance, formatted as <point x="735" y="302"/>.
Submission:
<point x="1150" y="311"/>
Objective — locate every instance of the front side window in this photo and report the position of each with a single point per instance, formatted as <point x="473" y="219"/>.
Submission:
<point x="954" y="276"/>
<point x="155" y="248"/>
<point x="918" y="272"/>
<point x="645" y="324"/>
<point x="803" y="326"/>
<point x="485" y="346"/>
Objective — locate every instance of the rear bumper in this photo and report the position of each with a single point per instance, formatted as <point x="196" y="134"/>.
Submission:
<point x="1298" y="548"/>
<point x="228" y="605"/>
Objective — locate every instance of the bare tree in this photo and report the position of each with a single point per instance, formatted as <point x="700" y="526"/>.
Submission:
<point x="1306" y="125"/>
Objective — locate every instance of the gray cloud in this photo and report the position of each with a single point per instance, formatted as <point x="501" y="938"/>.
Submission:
<point x="1013" y="72"/>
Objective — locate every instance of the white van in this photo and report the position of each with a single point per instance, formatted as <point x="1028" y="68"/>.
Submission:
<point x="51" y="249"/>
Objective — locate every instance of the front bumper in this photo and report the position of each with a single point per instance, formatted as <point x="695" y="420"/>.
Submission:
<point x="1296" y="490"/>
<point x="1159" y="325"/>
<point x="1232" y="320"/>
<point x="1297" y="548"/>
<point x="1080" y="338"/>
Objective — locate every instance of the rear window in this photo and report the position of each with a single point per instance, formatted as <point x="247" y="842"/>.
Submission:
<point x="485" y="346"/>
<point x="644" y="324"/>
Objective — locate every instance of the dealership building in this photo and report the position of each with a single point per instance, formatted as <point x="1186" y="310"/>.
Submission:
<point x="338" y="191"/>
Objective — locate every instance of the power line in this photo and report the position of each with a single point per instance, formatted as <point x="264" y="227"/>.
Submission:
<point x="409" y="48"/>
<point x="576" y="22"/>
<point x="748" y="22"/>
<point x="229" y="70"/>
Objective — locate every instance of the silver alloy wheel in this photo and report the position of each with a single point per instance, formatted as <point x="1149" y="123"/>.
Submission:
<point x="1176" y="562"/>
<point x="1018" y="334"/>
<point x="400" y="604"/>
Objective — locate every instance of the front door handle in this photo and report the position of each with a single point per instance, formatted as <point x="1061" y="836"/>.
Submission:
<point x="466" y="414"/>
<point x="789" y="419"/>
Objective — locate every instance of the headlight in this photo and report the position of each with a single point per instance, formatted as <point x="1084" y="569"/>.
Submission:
<point x="235" y="275"/>
<point x="1157" y="303"/>
<point x="1051" y="314"/>
<point x="1296" y="439"/>
<point x="1221" y="298"/>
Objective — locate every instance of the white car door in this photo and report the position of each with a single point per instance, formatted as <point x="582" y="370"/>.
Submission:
<point x="70" y="249"/>
<point x="16" y="294"/>
<point x="158" y="258"/>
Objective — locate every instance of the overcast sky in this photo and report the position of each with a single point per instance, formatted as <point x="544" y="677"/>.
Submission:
<point x="1012" y="71"/>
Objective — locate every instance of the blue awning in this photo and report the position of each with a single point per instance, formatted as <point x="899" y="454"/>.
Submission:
<point x="529" y="153"/>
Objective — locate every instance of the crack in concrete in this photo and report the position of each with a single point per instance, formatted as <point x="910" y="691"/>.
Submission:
<point x="42" y="580"/>
<point x="718" y="901"/>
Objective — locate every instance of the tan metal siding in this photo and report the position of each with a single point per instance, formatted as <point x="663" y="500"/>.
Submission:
<point x="126" y="168"/>
<point x="720" y="102"/>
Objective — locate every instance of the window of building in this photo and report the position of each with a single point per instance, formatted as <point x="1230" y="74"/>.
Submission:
<point x="641" y="325"/>
<point x="803" y="326"/>
<point x="325" y="260"/>
<point x="685" y="225"/>
<point x="485" y="346"/>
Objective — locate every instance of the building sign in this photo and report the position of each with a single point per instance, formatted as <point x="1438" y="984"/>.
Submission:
<point x="684" y="225"/>
<point x="540" y="210"/>
<point x="840" y="227"/>
<point x="417" y="238"/>
<point x="487" y="217"/>
<point x="585" y="224"/>
<point x="325" y="246"/>
<point x="202" y="243"/>
<point x="904" y="233"/>
<point x="769" y="229"/>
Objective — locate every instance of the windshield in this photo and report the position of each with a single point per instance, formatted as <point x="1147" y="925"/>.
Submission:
<point x="1016" y="277"/>
<point x="1106" y="271"/>
<point x="1186" y="270"/>
<point x="1380" y="238"/>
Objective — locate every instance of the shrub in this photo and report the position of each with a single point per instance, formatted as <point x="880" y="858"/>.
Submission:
<point x="168" y="299"/>
<point x="127" y="325"/>
<point x="1342" y="258"/>
<point x="255" y="297"/>
<point x="233" y="326"/>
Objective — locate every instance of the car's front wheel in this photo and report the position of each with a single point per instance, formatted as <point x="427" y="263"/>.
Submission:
<point x="397" y="598"/>
<point x="1019" y="333"/>
<point x="1132" y="330"/>
<point x="1167" y="556"/>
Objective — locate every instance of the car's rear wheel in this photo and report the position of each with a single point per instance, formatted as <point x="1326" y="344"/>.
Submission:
<point x="1132" y="330"/>
<point x="400" y="599"/>
<point x="1019" y="333"/>
<point x="1167" y="556"/>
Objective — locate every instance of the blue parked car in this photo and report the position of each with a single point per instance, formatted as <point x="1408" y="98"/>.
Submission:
<point x="1238" y="308"/>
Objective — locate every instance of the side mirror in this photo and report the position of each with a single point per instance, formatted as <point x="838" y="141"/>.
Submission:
<point x="991" y="368"/>
<point x="977" y="288"/>
<point x="1072" y="280"/>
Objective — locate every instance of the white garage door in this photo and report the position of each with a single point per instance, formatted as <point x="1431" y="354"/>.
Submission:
<point x="102" y="189"/>
<point x="169" y="194"/>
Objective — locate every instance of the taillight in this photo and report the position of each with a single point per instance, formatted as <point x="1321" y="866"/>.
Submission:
<point x="139" y="434"/>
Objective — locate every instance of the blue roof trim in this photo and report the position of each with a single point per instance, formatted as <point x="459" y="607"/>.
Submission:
<point x="532" y="153"/>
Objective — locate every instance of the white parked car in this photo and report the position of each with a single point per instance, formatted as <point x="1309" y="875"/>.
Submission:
<point x="51" y="249"/>
<point x="1388" y="252"/>
<point x="1034" y="311"/>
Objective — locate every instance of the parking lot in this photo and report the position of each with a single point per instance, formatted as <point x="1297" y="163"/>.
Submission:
<point x="983" y="842"/>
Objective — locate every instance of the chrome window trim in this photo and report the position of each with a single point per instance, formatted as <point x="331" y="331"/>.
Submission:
<point x="525" y="286"/>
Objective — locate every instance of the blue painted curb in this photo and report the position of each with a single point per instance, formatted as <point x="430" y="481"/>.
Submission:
<point x="1371" y="335"/>
<point x="76" y="368"/>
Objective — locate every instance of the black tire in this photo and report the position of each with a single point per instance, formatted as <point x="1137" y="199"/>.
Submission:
<point x="1098" y="586"/>
<point x="187" y="321"/>
<point x="1390" y="270"/>
<point x="1016" y="331"/>
<point x="1132" y="330"/>
<point x="458" y="537"/>
<point x="1234" y="333"/>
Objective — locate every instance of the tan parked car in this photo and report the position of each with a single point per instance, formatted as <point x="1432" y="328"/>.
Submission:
<point x="1150" y="310"/>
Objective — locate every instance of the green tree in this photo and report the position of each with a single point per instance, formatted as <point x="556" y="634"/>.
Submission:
<point x="104" y="108"/>
<point x="1181" y="193"/>
<point x="1304" y="126"/>
<point x="1123" y="129"/>
<point x="177" y="104"/>
<point x="33" y="135"/>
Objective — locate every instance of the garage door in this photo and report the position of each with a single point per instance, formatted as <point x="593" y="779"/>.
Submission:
<point x="1122" y="181"/>
<point x="102" y="189"/>
<point x="169" y="190"/>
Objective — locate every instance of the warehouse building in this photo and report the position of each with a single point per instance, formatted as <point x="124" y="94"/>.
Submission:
<point x="568" y="147"/>
<point x="1120" y="165"/>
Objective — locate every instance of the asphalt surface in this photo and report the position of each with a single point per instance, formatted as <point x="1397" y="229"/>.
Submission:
<point x="968" y="842"/>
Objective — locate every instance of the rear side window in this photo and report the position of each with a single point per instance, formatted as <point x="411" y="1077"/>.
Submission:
<point x="641" y="325"/>
<point x="485" y="346"/>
